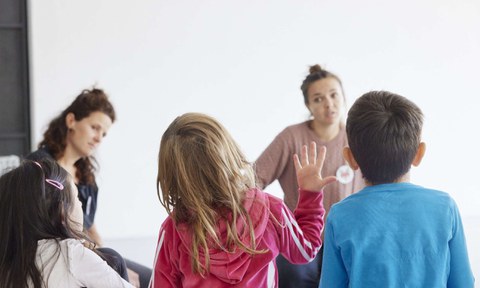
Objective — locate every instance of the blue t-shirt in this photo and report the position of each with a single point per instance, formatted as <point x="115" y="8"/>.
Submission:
<point x="395" y="235"/>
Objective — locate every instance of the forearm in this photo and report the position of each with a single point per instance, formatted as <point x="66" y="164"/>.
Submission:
<point x="302" y="230"/>
<point x="309" y="215"/>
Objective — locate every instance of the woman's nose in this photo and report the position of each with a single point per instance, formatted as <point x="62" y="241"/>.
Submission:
<point x="328" y="102"/>
<point x="98" y="138"/>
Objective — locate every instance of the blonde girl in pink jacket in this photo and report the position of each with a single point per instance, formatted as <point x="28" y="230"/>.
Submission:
<point x="222" y="231"/>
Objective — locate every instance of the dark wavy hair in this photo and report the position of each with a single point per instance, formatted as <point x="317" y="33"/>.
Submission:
<point x="54" y="139"/>
<point x="32" y="209"/>
<point x="317" y="73"/>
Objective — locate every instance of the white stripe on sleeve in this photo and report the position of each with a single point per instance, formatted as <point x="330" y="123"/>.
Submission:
<point x="293" y="225"/>
<point x="159" y="246"/>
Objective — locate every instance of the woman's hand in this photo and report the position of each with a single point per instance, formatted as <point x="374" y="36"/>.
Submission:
<point x="309" y="168"/>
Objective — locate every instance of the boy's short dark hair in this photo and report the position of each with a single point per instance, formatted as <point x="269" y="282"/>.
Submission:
<point x="384" y="133"/>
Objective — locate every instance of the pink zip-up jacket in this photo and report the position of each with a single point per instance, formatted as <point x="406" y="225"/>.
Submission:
<point x="277" y="230"/>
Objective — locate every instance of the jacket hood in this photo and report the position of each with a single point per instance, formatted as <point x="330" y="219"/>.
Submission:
<point x="230" y="267"/>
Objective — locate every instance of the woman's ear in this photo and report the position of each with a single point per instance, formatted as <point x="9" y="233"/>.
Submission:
<point x="70" y="120"/>
<point x="420" y="153"/>
<point x="348" y="155"/>
<point x="308" y="108"/>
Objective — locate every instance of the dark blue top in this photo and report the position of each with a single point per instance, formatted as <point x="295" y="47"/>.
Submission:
<point x="87" y="193"/>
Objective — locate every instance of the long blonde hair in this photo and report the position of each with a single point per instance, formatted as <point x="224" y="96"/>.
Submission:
<point x="203" y="177"/>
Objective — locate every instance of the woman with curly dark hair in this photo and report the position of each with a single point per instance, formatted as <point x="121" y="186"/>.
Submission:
<point x="71" y="139"/>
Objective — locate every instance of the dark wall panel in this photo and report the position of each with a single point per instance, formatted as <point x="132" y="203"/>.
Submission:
<point x="14" y="82"/>
<point x="11" y="82"/>
<point x="11" y="11"/>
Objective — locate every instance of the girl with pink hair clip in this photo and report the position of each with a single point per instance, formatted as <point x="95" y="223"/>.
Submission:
<point x="41" y="223"/>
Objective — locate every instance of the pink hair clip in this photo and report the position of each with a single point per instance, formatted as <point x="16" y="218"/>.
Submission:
<point x="55" y="183"/>
<point x="52" y="182"/>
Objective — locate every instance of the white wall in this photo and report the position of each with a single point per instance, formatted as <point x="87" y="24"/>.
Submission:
<point x="243" y="62"/>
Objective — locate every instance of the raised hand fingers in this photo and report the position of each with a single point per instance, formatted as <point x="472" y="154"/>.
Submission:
<point x="304" y="155"/>
<point x="309" y="156"/>
<point x="312" y="155"/>
<point x="321" y="157"/>
<point x="297" y="163"/>
<point x="302" y="161"/>
<point x="309" y="167"/>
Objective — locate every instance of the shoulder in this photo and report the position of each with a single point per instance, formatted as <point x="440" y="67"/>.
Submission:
<point x="348" y="207"/>
<point x="275" y="205"/>
<point x="74" y="247"/>
<point x="286" y="141"/>
<point x="89" y="189"/>
<point x="69" y="243"/>
<point x="438" y="198"/>
<point x="173" y="239"/>
<point x="168" y="224"/>
<point x="293" y="134"/>
<point x="259" y="202"/>
<point x="298" y="128"/>
<point x="431" y="196"/>
<point x="171" y="232"/>
<point x="269" y="199"/>
<point x="77" y="252"/>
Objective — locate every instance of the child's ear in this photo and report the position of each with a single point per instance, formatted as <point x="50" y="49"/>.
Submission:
<point x="420" y="153"/>
<point x="347" y="154"/>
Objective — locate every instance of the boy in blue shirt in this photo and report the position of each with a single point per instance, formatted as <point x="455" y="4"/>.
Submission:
<point x="392" y="233"/>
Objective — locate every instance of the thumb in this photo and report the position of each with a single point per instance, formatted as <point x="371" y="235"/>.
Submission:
<point x="328" y="180"/>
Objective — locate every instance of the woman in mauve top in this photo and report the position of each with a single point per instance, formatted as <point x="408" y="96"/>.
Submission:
<point x="324" y="98"/>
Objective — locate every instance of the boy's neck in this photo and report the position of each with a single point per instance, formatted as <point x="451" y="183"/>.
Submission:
<point x="405" y="178"/>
